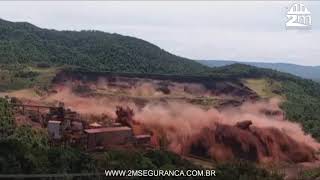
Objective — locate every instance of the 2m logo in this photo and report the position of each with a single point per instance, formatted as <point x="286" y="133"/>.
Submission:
<point x="299" y="17"/>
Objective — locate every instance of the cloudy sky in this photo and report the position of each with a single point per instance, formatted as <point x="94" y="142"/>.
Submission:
<point x="248" y="30"/>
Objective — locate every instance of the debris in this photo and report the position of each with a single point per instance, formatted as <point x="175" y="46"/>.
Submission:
<point x="124" y="116"/>
<point x="245" y="125"/>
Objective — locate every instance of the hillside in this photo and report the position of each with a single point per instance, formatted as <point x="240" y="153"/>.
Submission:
<point x="34" y="58"/>
<point x="309" y="72"/>
<point x="22" y="42"/>
<point x="301" y="96"/>
<point x="31" y="56"/>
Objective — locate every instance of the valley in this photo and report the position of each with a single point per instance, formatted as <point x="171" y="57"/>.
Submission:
<point x="84" y="101"/>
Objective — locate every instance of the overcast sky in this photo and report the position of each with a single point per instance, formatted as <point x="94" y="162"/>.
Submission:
<point x="248" y="30"/>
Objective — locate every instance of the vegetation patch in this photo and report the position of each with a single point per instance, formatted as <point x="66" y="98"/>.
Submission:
<point x="265" y="88"/>
<point x="21" y="76"/>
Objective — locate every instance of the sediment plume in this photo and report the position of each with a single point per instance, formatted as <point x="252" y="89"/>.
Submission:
<point x="255" y="130"/>
<point x="262" y="145"/>
<point x="223" y="135"/>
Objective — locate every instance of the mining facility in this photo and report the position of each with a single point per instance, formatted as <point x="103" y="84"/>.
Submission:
<point x="66" y="127"/>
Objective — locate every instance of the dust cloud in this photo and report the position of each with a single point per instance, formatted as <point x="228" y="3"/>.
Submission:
<point x="185" y="129"/>
<point x="256" y="130"/>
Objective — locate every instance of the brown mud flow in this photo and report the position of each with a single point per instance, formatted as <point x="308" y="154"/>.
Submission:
<point x="222" y="136"/>
<point x="247" y="128"/>
<point x="225" y="142"/>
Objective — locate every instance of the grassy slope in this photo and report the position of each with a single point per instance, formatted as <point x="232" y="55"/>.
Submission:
<point x="264" y="87"/>
<point x="15" y="77"/>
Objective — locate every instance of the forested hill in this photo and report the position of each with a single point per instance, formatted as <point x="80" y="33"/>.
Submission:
<point x="309" y="72"/>
<point x="22" y="42"/>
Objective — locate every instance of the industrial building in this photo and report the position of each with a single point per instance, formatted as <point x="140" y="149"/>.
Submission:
<point x="54" y="129"/>
<point x="69" y="128"/>
<point x="108" y="136"/>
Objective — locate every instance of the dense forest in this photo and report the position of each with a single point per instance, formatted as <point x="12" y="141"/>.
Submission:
<point x="93" y="50"/>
